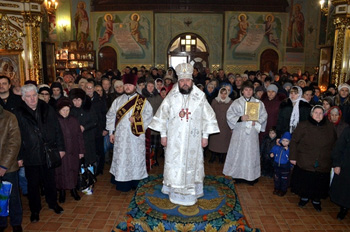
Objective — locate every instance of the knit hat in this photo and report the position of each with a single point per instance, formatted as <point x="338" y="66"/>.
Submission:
<point x="62" y="102"/>
<point x="130" y="79"/>
<point x="272" y="87"/>
<point x="344" y="85"/>
<point x="77" y="93"/>
<point x="118" y="83"/>
<point x="184" y="71"/>
<point x="45" y="88"/>
<point x="287" y="136"/>
<point x="287" y="84"/>
<point x="57" y="85"/>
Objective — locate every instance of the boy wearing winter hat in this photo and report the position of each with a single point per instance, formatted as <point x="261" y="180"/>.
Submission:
<point x="281" y="164"/>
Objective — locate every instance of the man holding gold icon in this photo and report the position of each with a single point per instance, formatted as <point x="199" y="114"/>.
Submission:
<point x="246" y="117"/>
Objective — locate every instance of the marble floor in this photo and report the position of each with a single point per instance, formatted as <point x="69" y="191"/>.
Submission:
<point x="107" y="207"/>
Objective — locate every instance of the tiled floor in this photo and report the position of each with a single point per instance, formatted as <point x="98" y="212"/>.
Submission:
<point x="106" y="207"/>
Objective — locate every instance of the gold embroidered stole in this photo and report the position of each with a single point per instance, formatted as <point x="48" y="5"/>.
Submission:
<point x="136" y="103"/>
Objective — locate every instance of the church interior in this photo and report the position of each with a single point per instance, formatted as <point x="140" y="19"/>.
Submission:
<point x="41" y="39"/>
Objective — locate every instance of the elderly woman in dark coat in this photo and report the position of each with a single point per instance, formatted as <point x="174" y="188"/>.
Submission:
<point x="310" y="152"/>
<point x="334" y="115"/>
<point x="67" y="174"/>
<point x="87" y="118"/>
<point x="340" y="187"/>
<point x="218" y="143"/>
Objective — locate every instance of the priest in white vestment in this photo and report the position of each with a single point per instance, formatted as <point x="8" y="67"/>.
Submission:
<point x="243" y="156"/>
<point x="184" y="119"/>
<point x="127" y="121"/>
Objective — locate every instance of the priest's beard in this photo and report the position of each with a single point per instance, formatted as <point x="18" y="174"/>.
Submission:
<point x="186" y="91"/>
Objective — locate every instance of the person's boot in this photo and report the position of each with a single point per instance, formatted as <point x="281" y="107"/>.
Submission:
<point x="75" y="194"/>
<point x="212" y="158"/>
<point x="61" y="196"/>
<point x="342" y="213"/>
<point x="155" y="158"/>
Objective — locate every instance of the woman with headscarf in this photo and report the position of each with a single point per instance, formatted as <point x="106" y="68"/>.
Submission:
<point x="310" y="152"/>
<point x="334" y="115"/>
<point x="67" y="174"/>
<point x="342" y="99"/>
<point x="82" y="109"/>
<point x="218" y="143"/>
<point x="57" y="93"/>
<point x="293" y="110"/>
<point x="210" y="92"/>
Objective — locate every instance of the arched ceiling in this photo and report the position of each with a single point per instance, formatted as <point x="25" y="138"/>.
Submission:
<point x="190" y="5"/>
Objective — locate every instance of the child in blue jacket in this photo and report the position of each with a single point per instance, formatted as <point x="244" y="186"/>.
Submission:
<point x="281" y="164"/>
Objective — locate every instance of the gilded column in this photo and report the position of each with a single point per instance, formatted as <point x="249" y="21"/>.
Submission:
<point x="32" y="24"/>
<point x="341" y="51"/>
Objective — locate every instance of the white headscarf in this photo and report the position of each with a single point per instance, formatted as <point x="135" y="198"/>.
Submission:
<point x="294" y="118"/>
<point x="219" y="99"/>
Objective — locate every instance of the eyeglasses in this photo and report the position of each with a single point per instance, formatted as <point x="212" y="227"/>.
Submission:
<point x="89" y="87"/>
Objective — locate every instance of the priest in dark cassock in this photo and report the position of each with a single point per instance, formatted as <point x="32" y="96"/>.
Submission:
<point x="184" y="119"/>
<point x="127" y="121"/>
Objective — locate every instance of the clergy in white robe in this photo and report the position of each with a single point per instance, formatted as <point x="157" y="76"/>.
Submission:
<point x="243" y="156"/>
<point x="127" y="120"/>
<point x="185" y="119"/>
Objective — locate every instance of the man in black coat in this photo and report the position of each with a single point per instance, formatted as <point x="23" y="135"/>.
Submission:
<point x="39" y="124"/>
<point x="8" y="100"/>
<point x="100" y="107"/>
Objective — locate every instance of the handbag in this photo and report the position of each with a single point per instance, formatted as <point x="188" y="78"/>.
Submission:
<point x="86" y="178"/>
<point x="52" y="155"/>
<point x="5" y="191"/>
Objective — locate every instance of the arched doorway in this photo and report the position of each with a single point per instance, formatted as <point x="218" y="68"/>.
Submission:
<point x="188" y="48"/>
<point x="107" y="59"/>
<point x="269" y="61"/>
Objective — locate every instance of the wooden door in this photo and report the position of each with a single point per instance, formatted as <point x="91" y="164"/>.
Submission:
<point x="269" y="61"/>
<point x="107" y="59"/>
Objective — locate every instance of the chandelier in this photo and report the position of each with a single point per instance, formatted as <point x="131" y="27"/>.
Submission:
<point x="51" y="6"/>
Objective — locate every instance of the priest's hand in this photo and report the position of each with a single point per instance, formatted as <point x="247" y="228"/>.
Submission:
<point x="294" y="162"/>
<point x="132" y="119"/>
<point x="337" y="170"/>
<point x="111" y="138"/>
<point x="204" y="142"/>
<point x="163" y="141"/>
<point x="244" y="117"/>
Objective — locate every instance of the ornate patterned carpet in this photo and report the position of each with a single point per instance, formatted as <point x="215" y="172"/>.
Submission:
<point x="217" y="211"/>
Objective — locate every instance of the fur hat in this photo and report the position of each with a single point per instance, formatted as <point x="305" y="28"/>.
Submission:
<point x="184" y="71"/>
<point x="130" y="79"/>
<point x="62" y="102"/>
<point x="77" y="93"/>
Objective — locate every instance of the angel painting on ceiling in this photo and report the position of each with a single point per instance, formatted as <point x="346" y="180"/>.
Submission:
<point x="135" y="30"/>
<point x="269" y="27"/>
<point x="243" y="27"/>
<point x="108" y="30"/>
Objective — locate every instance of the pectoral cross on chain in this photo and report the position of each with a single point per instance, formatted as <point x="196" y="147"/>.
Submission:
<point x="187" y="113"/>
<point x="184" y="113"/>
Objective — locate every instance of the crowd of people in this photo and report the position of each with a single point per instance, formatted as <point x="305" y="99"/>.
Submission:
<point x="298" y="136"/>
